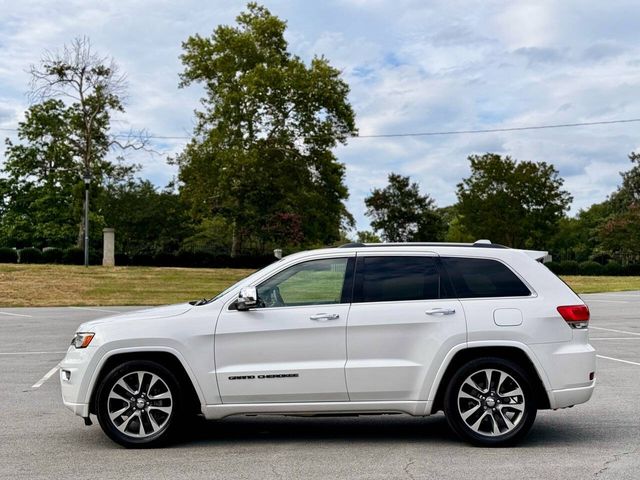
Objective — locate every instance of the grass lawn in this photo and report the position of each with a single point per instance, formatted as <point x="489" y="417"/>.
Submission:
<point x="60" y="285"/>
<point x="583" y="284"/>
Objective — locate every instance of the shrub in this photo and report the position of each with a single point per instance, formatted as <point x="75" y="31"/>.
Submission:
<point x="631" y="269"/>
<point x="612" y="268"/>
<point x="142" y="260"/>
<point x="122" y="259"/>
<point x="553" y="266"/>
<point x="52" y="255"/>
<point x="164" y="259"/>
<point x="29" y="255"/>
<point x="591" y="268"/>
<point x="8" y="255"/>
<point x="569" y="267"/>
<point x="73" y="256"/>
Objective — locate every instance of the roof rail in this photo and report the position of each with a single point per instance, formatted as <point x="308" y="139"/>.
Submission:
<point x="478" y="244"/>
<point x="352" y="245"/>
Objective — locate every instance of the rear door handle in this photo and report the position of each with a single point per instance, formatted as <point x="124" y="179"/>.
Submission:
<point x="323" y="317"/>
<point x="441" y="311"/>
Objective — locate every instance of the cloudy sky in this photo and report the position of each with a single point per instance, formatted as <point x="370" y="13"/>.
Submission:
<point x="413" y="66"/>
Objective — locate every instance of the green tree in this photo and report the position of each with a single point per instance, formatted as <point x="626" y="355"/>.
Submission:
<point x="366" y="236"/>
<point x="515" y="203"/>
<point x="147" y="221"/>
<point x="402" y="214"/>
<point x="89" y="90"/>
<point x="264" y="138"/>
<point x="455" y="231"/>
<point x="618" y="231"/>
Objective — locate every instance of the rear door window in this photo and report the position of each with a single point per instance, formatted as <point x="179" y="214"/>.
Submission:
<point x="482" y="277"/>
<point x="389" y="279"/>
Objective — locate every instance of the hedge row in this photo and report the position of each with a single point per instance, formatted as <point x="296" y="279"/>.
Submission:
<point x="75" y="256"/>
<point x="196" y="259"/>
<point x="593" y="268"/>
<point x="69" y="256"/>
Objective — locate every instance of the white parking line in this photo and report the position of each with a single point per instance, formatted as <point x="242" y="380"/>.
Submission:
<point x="617" y="295"/>
<point x="15" y="314"/>
<point x="597" y="300"/>
<point x="614" y="330"/>
<point x="47" y="376"/>
<point x="32" y="353"/>
<point x="95" y="309"/>
<point x="618" y="360"/>
<point x="614" y="338"/>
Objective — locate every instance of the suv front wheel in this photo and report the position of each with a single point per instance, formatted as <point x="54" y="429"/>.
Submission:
<point x="139" y="404"/>
<point x="490" y="402"/>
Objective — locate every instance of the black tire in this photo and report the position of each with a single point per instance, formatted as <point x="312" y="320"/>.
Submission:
<point x="147" y="411"/>
<point x="499" y="420"/>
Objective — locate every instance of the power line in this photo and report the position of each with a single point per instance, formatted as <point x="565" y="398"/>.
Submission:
<point x="425" y="134"/>
<point x="493" y="130"/>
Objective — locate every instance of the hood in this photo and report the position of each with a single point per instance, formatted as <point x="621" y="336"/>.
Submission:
<point x="146" y="314"/>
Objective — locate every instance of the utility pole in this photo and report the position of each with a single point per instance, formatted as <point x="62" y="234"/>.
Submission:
<point x="87" y="183"/>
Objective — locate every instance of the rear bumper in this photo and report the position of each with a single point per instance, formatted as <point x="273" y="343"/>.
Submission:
<point x="570" y="368"/>
<point x="570" y="396"/>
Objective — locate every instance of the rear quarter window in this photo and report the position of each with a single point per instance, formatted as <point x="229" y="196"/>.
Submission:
<point x="482" y="278"/>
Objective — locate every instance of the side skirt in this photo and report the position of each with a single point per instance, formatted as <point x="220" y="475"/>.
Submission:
<point x="212" y="412"/>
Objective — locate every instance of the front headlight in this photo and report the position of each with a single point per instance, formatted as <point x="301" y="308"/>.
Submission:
<point x="82" y="339"/>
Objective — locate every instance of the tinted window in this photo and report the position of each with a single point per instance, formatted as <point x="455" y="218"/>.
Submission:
<point x="386" y="279"/>
<point x="480" y="277"/>
<point x="309" y="283"/>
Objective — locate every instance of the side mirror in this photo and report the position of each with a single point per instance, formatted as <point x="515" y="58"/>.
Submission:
<point x="247" y="299"/>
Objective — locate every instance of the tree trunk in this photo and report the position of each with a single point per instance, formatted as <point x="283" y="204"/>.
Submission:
<point x="234" y="240"/>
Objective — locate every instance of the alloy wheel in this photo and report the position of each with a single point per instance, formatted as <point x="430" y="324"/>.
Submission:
<point x="140" y="404"/>
<point x="491" y="402"/>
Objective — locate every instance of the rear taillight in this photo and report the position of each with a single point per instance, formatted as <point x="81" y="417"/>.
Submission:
<point x="577" y="316"/>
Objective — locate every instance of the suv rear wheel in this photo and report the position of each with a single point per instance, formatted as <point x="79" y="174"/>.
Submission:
<point x="490" y="402"/>
<point x="139" y="404"/>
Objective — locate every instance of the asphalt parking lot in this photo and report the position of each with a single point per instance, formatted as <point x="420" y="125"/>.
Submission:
<point x="39" y="438"/>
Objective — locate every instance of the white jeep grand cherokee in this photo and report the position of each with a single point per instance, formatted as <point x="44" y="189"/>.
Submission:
<point x="486" y="333"/>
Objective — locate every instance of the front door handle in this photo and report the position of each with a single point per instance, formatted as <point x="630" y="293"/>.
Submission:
<point x="441" y="311"/>
<point x="323" y="317"/>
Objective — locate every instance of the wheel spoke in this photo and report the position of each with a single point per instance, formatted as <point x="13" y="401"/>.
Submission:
<point x="121" y="383"/>
<point x="119" y="413"/>
<point x="123" y="426"/>
<point x="474" y="385"/>
<point x="501" y="379"/>
<point x="515" y="406"/>
<point x="495" y="429"/>
<point x="160" y="396"/>
<point x="470" y="412"/>
<point x="477" y="423"/>
<point x="516" y="392"/>
<point x="507" y="422"/>
<point x="152" y="382"/>
<point x="153" y="422"/>
<point x="464" y="394"/>
<point x="166" y="410"/>
<point x="117" y="396"/>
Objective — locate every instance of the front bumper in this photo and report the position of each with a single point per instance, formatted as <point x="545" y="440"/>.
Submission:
<point x="73" y="379"/>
